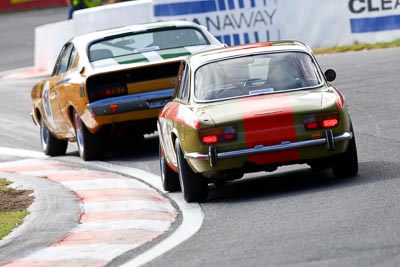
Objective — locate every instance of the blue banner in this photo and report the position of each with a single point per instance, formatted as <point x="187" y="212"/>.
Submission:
<point x="376" y="24"/>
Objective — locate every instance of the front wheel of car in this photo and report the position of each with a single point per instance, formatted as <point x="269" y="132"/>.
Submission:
<point x="346" y="164"/>
<point x="90" y="145"/>
<point x="194" y="186"/>
<point x="169" y="178"/>
<point x="51" y="145"/>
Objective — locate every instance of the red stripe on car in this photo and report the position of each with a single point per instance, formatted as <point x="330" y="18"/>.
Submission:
<point x="176" y="112"/>
<point x="268" y="120"/>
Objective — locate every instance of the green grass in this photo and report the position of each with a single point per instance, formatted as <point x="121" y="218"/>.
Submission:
<point x="357" y="47"/>
<point x="10" y="220"/>
<point x="3" y="185"/>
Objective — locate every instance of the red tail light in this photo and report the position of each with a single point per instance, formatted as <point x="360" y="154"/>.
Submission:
<point x="210" y="139"/>
<point x="329" y="123"/>
<point x="113" y="107"/>
<point x="216" y="135"/>
<point x="106" y="92"/>
<point x="321" y="121"/>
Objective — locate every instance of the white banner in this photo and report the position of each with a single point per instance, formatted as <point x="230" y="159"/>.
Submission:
<point x="330" y="23"/>
<point x="318" y="23"/>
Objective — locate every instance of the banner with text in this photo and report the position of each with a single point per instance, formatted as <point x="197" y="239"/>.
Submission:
<point x="231" y="21"/>
<point x="333" y="23"/>
<point x="318" y="23"/>
<point x="374" y="16"/>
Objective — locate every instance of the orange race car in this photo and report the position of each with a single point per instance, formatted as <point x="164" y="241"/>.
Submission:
<point x="112" y="82"/>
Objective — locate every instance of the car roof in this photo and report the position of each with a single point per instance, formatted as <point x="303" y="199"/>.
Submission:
<point x="247" y="49"/>
<point x="84" y="39"/>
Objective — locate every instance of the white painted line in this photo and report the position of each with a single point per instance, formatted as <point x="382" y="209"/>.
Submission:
<point x="6" y="151"/>
<point x="147" y="177"/>
<point x="22" y="162"/>
<point x="192" y="213"/>
<point x="50" y="172"/>
<point x="151" y="225"/>
<point x="104" y="183"/>
<point x="192" y="219"/>
<point x="128" y="205"/>
<point x="98" y="252"/>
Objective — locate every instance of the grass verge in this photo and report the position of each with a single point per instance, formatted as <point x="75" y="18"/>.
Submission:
<point x="13" y="205"/>
<point x="357" y="47"/>
<point x="9" y="220"/>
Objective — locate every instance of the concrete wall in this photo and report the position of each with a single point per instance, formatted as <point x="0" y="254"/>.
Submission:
<point x="50" y="38"/>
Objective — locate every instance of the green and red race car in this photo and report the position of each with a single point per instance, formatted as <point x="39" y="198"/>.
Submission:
<point x="252" y="108"/>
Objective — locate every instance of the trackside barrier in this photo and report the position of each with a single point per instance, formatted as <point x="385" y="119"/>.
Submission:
<point x="50" y="38"/>
<point x="318" y="23"/>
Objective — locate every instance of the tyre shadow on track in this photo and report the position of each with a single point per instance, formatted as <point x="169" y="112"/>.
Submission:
<point x="260" y="185"/>
<point x="294" y="182"/>
<point x="137" y="149"/>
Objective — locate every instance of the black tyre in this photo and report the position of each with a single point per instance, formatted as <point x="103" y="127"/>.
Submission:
<point x="51" y="145"/>
<point x="346" y="164"/>
<point x="320" y="164"/>
<point x="90" y="145"/>
<point x="194" y="186"/>
<point x="169" y="178"/>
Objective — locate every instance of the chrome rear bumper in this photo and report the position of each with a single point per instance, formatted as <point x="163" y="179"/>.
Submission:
<point x="132" y="102"/>
<point x="213" y="156"/>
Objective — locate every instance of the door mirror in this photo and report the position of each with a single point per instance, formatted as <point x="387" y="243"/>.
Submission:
<point x="330" y="75"/>
<point x="82" y="71"/>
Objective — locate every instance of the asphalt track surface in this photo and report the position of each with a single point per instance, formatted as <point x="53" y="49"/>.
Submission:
<point x="87" y="217"/>
<point x="292" y="217"/>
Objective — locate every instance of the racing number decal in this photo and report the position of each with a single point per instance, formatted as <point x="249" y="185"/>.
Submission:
<point x="46" y="103"/>
<point x="46" y="99"/>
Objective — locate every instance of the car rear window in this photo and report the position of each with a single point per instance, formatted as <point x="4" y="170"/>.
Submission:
<point x="136" y="43"/>
<point x="255" y="74"/>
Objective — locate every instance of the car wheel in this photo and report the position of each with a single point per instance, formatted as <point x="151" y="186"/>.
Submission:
<point x="194" y="186"/>
<point x="90" y="145"/>
<point x="169" y="178"/>
<point x="51" y="145"/>
<point x="346" y="164"/>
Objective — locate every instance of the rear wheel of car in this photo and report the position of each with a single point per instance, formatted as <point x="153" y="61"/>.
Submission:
<point x="169" y="178"/>
<point x="320" y="164"/>
<point x="51" y="145"/>
<point x="346" y="164"/>
<point x="90" y="145"/>
<point x="194" y="186"/>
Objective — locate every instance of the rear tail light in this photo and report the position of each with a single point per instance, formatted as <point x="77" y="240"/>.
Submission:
<point x="106" y="92"/>
<point x="321" y="121"/>
<point x="216" y="135"/>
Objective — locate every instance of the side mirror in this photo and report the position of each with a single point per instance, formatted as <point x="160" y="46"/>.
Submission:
<point x="82" y="71"/>
<point x="330" y="75"/>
